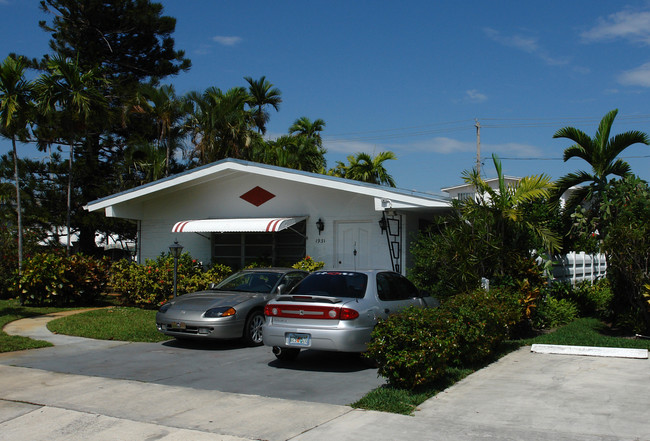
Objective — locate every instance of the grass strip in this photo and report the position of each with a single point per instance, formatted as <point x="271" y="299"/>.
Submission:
<point x="114" y="323"/>
<point x="588" y="332"/>
<point x="403" y="401"/>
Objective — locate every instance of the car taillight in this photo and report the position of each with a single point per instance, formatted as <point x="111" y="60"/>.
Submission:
<point x="349" y="314"/>
<point x="310" y="312"/>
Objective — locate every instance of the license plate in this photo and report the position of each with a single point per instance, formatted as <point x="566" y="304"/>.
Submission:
<point x="298" y="339"/>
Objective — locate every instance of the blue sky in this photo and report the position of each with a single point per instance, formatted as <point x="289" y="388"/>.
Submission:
<point x="414" y="76"/>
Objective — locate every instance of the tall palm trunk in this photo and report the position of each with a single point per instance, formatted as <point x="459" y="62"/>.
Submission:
<point x="18" y="209"/>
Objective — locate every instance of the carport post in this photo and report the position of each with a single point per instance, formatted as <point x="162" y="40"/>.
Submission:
<point x="175" y="249"/>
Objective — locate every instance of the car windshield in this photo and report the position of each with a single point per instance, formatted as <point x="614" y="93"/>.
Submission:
<point x="333" y="284"/>
<point x="250" y="282"/>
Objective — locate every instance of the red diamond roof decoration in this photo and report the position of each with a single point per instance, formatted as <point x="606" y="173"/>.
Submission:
<point x="257" y="196"/>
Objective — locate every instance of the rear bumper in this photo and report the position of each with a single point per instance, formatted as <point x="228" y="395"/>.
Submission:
<point x="332" y="339"/>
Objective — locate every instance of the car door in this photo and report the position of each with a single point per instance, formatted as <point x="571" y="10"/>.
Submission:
<point x="395" y="293"/>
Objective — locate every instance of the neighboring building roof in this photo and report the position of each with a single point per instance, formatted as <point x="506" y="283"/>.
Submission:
<point x="385" y="197"/>
<point x="490" y="182"/>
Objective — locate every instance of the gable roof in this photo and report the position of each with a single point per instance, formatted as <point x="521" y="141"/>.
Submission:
<point x="386" y="197"/>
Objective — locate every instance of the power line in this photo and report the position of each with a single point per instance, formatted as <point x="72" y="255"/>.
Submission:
<point x="467" y="125"/>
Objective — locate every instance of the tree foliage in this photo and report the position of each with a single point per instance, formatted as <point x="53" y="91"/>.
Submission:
<point x="490" y="236"/>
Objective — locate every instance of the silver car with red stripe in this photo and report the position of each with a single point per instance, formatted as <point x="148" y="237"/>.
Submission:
<point x="336" y="310"/>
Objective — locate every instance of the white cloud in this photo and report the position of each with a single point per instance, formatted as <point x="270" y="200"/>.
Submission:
<point x="439" y="145"/>
<point x="636" y="77"/>
<point x="627" y="24"/>
<point x="227" y="40"/>
<point x="525" y="44"/>
<point x="475" y="96"/>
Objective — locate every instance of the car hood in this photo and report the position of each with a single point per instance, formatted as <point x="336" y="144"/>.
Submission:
<point x="203" y="300"/>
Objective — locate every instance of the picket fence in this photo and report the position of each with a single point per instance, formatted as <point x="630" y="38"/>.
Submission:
<point x="577" y="267"/>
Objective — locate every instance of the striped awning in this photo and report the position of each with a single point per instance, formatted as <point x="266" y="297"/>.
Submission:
<point x="251" y="225"/>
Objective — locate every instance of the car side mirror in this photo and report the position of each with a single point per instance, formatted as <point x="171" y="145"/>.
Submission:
<point x="212" y="286"/>
<point x="280" y="289"/>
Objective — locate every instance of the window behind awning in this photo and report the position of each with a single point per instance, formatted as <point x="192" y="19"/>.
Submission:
<point x="246" y="225"/>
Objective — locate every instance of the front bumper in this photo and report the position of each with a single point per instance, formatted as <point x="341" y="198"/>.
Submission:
<point x="225" y="328"/>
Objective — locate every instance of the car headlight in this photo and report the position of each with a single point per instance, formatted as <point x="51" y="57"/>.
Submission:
<point x="165" y="307"/>
<point x="223" y="311"/>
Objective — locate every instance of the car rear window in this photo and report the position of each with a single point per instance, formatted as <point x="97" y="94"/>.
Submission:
<point x="333" y="284"/>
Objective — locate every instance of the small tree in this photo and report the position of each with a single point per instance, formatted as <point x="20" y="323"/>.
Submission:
<point x="626" y="210"/>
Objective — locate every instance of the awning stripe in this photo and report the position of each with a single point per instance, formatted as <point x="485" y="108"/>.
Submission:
<point x="252" y="225"/>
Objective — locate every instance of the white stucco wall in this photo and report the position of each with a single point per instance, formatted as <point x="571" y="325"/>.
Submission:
<point x="221" y="199"/>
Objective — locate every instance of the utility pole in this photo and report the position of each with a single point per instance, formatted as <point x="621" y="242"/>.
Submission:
<point x="478" y="146"/>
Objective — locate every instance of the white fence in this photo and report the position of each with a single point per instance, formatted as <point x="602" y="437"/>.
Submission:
<point x="576" y="267"/>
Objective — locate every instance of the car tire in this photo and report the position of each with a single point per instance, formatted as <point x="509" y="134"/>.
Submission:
<point x="253" y="329"/>
<point x="285" y="354"/>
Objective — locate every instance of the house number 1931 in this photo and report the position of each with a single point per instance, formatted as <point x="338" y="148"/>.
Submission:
<point x="320" y="240"/>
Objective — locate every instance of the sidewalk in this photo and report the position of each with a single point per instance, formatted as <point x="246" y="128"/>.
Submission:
<point x="523" y="396"/>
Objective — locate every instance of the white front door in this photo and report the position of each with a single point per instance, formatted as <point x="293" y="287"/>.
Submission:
<point x="352" y="245"/>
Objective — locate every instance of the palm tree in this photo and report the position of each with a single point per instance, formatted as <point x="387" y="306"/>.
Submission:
<point x="303" y="126"/>
<point x="74" y="95"/>
<point x="220" y="124"/>
<point x="601" y="153"/>
<point x="15" y="108"/>
<point x="297" y="152"/>
<point x="166" y="109"/>
<point x="263" y="94"/>
<point x="366" y="168"/>
<point x="506" y="203"/>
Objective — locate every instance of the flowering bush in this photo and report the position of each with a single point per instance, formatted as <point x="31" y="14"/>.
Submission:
<point x="308" y="264"/>
<point x="151" y="284"/>
<point x="55" y="279"/>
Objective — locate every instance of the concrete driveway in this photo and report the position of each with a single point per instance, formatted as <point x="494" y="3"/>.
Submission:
<point x="331" y="378"/>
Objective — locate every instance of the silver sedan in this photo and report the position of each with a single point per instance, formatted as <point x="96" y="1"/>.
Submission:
<point x="337" y="310"/>
<point x="232" y="309"/>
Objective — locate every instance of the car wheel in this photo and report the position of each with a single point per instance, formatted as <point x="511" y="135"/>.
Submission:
<point x="253" y="329"/>
<point x="285" y="354"/>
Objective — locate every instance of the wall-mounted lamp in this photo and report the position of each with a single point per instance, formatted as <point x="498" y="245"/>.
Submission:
<point x="383" y="224"/>
<point x="320" y="225"/>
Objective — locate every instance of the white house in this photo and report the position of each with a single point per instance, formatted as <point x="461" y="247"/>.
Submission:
<point x="465" y="191"/>
<point x="236" y="212"/>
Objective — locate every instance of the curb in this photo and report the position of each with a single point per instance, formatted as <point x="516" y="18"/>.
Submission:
<point x="590" y="351"/>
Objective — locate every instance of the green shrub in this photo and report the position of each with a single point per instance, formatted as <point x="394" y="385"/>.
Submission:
<point x="414" y="348"/>
<point x="152" y="284"/>
<point x="594" y="300"/>
<point x="591" y="300"/>
<point x="56" y="279"/>
<point x="553" y="312"/>
<point x="482" y="320"/>
<point x="308" y="264"/>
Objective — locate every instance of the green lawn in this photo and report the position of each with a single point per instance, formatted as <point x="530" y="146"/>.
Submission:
<point x="113" y="323"/>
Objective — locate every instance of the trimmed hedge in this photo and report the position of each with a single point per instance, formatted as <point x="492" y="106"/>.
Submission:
<point x="59" y="280"/>
<point x="415" y="348"/>
<point x="152" y="284"/>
